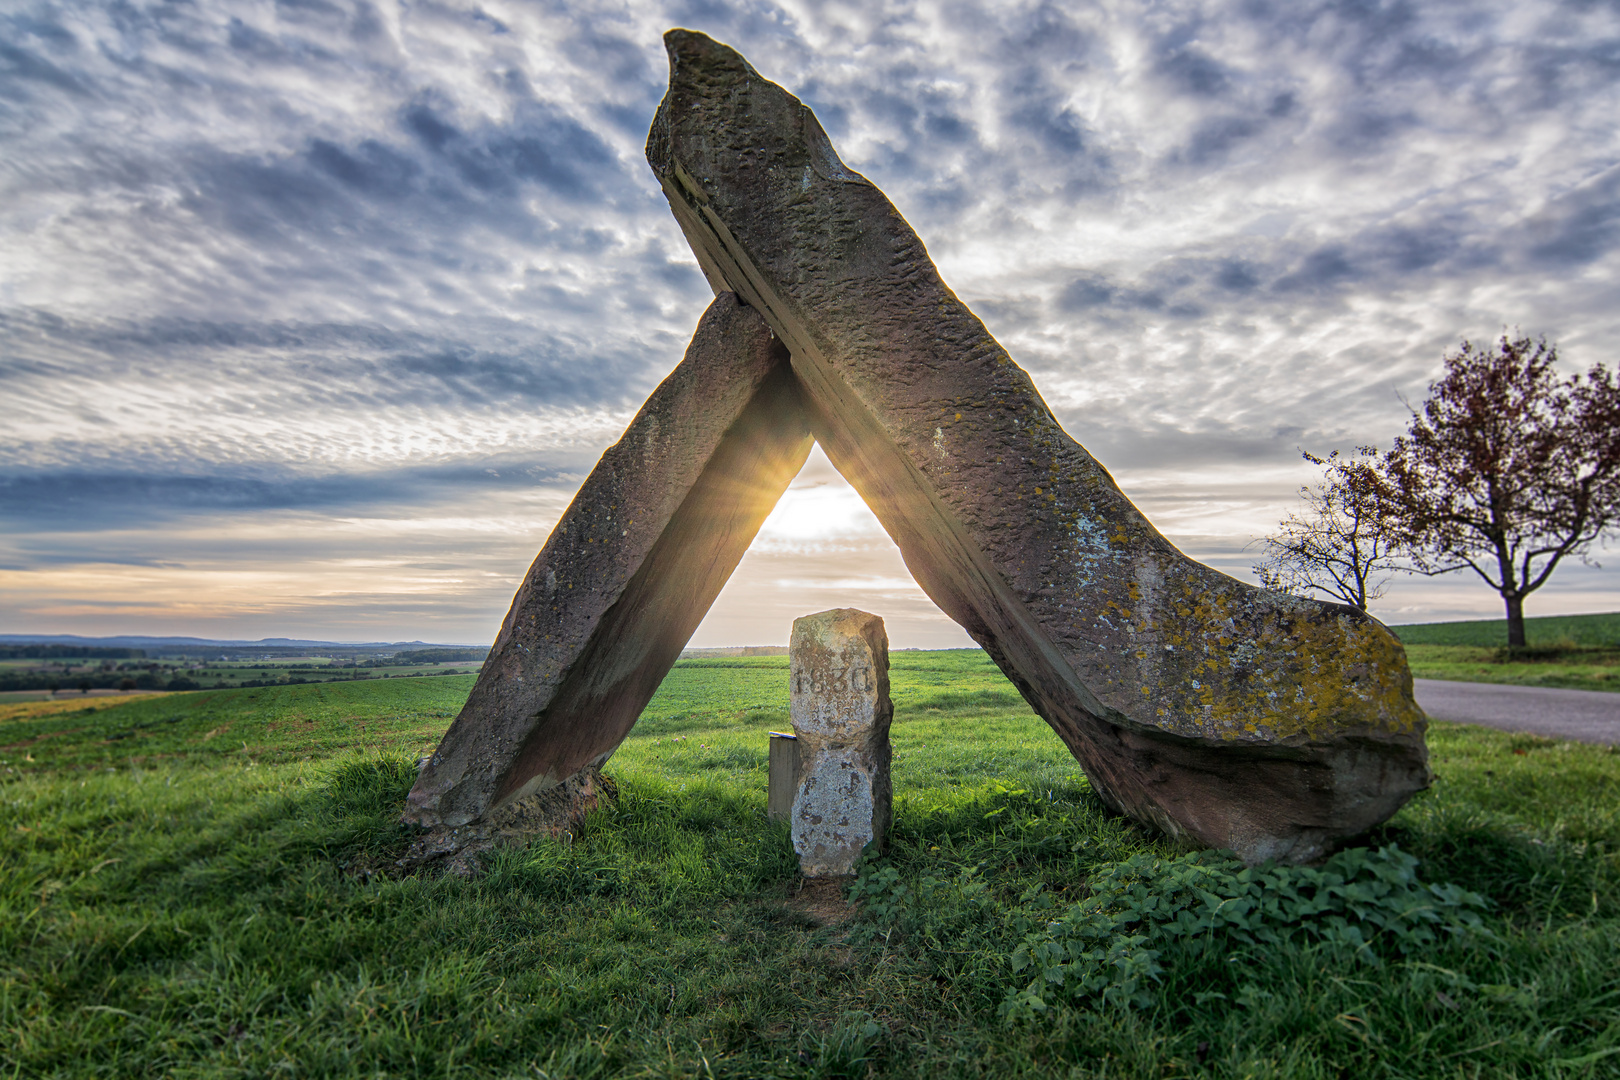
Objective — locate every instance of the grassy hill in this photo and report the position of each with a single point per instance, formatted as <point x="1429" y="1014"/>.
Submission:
<point x="1580" y="630"/>
<point x="1574" y="652"/>
<point x="189" y="887"/>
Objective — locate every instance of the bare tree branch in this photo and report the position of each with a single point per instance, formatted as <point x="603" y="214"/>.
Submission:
<point x="1339" y="544"/>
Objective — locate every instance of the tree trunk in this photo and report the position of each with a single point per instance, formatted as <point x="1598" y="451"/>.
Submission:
<point x="1515" y="620"/>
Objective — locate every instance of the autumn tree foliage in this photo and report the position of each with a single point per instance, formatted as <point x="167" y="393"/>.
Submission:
<point x="1341" y="544"/>
<point x="1508" y="468"/>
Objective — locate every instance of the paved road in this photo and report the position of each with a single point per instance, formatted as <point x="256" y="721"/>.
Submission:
<point x="1582" y="715"/>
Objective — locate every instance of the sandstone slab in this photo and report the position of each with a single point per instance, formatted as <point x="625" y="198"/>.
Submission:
<point x="838" y="672"/>
<point x="626" y="575"/>
<point x="556" y="813"/>
<point x="1218" y="712"/>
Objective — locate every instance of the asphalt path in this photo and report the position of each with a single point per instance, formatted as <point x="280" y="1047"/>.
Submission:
<point x="1591" y="716"/>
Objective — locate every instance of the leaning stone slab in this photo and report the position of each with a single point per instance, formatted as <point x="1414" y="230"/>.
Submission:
<point x="625" y="577"/>
<point x="1221" y="713"/>
<point x="557" y="813"/>
<point x="838" y="671"/>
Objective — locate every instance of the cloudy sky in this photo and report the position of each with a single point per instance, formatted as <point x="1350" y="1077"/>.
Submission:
<point x="314" y="314"/>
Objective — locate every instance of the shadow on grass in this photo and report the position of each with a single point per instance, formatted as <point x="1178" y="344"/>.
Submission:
<point x="211" y="921"/>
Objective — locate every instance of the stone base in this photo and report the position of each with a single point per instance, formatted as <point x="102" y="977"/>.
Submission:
<point x="842" y="808"/>
<point x="557" y="813"/>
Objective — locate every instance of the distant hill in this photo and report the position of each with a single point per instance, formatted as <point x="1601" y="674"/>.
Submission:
<point x="1492" y="633"/>
<point x="234" y="648"/>
<point x="130" y="641"/>
<point x="735" y="650"/>
<point x="36" y="651"/>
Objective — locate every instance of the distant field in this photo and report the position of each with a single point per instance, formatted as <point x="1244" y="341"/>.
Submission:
<point x="1540" y="630"/>
<point x="1572" y="652"/>
<point x="17" y="707"/>
<point x="186" y="889"/>
<point x="1582" y="670"/>
<point x="35" y="677"/>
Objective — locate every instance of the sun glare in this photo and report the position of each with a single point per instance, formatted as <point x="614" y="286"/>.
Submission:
<point x="821" y="548"/>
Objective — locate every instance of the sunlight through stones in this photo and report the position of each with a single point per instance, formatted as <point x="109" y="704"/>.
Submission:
<point x="839" y="699"/>
<point x="1225" y="715"/>
<point x="626" y="575"/>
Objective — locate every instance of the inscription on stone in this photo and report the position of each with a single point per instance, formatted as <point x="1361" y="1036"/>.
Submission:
<point x="839" y="682"/>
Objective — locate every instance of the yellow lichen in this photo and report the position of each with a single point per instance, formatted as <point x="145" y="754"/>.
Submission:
<point x="1301" y="678"/>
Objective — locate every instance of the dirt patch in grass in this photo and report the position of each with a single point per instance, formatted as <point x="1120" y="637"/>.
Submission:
<point x="821" y="901"/>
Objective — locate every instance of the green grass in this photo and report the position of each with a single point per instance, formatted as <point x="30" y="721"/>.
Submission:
<point x="1587" y="630"/>
<point x="1576" y="669"/>
<point x="184" y="892"/>
<point x="1573" y="652"/>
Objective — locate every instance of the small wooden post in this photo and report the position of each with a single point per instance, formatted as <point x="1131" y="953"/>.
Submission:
<point x="783" y="783"/>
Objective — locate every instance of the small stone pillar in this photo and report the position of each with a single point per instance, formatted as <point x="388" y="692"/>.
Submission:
<point x="839" y="670"/>
<point x="782" y="785"/>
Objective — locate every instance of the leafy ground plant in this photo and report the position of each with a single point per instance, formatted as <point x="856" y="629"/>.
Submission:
<point x="1148" y="911"/>
<point x="188" y="888"/>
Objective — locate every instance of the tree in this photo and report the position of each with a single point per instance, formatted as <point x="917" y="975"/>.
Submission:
<point x="1507" y="469"/>
<point x="1340" y="544"/>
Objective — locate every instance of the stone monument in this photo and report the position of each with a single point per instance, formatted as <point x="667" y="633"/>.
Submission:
<point x="1223" y="714"/>
<point x="838" y="672"/>
<point x="625" y="577"/>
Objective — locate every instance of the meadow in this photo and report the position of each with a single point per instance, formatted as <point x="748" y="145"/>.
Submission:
<point x="1573" y="652"/>
<point x="1572" y="669"/>
<point x="1561" y="631"/>
<point x="200" y="884"/>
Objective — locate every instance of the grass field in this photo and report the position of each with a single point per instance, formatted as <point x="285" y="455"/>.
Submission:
<point x="1573" y="652"/>
<point x="1578" y="630"/>
<point x="183" y="893"/>
<point x="1584" y="669"/>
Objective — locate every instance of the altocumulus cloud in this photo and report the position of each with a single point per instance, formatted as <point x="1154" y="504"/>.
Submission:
<point x="346" y="298"/>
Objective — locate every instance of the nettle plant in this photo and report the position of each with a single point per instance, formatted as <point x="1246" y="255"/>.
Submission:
<point x="1149" y="912"/>
<point x="885" y="899"/>
<point x="1147" y="916"/>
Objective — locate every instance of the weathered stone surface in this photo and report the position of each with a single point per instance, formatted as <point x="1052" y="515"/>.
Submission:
<point x="782" y="777"/>
<point x="838" y="671"/>
<point x="1221" y="713"/>
<point x="626" y="575"/>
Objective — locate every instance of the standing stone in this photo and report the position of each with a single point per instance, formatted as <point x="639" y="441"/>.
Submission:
<point x="623" y="580"/>
<point x="1221" y="713"/>
<point x="838" y="663"/>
